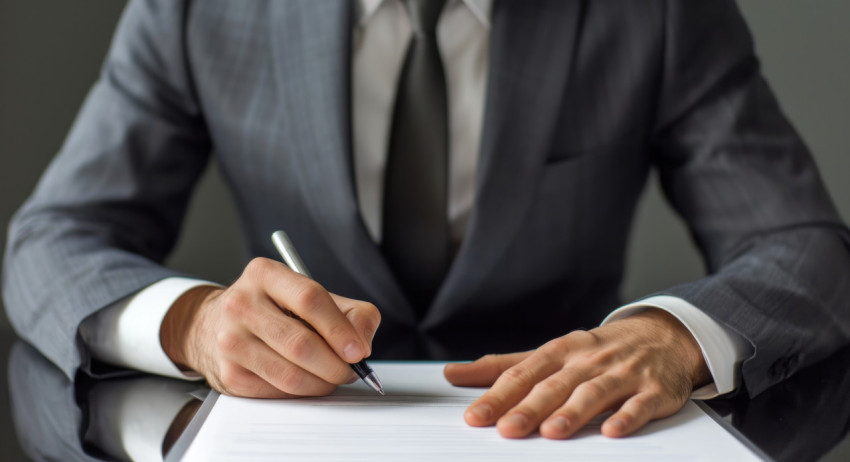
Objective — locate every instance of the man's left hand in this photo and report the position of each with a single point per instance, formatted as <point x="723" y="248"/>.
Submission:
<point x="643" y="367"/>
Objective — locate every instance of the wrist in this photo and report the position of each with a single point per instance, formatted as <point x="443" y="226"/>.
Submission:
<point x="684" y="342"/>
<point x="174" y="334"/>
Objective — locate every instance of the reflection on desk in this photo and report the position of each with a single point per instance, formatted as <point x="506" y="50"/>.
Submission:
<point x="802" y="418"/>
<point x="138" y="417"/>
<point x="133" y="417"/>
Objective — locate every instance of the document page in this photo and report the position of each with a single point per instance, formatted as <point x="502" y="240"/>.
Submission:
<point x="421" y="419"/>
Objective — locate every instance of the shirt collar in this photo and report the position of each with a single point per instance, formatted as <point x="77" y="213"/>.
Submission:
<point x="480" y="8"/>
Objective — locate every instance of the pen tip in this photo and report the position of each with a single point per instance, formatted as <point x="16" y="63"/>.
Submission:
<point x="373" y="382"/>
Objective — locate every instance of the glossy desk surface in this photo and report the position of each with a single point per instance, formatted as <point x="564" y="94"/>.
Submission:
<point x="804" y="418"/>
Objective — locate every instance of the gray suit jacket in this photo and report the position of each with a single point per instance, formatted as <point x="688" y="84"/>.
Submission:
<point x="584" y="97"/>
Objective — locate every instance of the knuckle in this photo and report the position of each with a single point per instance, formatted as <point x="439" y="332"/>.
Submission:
<point x="592" y="390"/>
<point x="338" y="332"/>
<point x="584" y="337"/>
<point x="299" y="346"/>
<point x="228" y="342"/>
<point x="336" y="373"/>
<point x="550" y="388"/>
<point x="493" y="362"/>
<point x="290" y="381"/>
<point x="258" y="266"/>
<point x="629" y="368"/>
<point x="236" y="303"/>
<point x="518" y="376"/>
<point x="554" y="349"/>
<point x="646" y="403"/>
<point x="642" y="403"/>
<point x="372" y="312"/>
<point x="603" y="356"/>
<point x="308" y="296"/>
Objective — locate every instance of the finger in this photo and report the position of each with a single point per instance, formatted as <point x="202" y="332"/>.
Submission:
<point x="546" y="397"/>
<point x="364" y="316"/>
<point x="514" y="384"/>
<point x="235" y="380"/>
<point x="267" y="364"/>
<point x="588" y="400"/>
<point x="482" y="372"/>
<point x="292" y="340"/>
<point x="637" y="412"/>
<point x="288" y="336"/>
<point x="310" y="301"/>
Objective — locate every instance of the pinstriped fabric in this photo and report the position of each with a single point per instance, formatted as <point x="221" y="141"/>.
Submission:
<point x="584" y="99"/>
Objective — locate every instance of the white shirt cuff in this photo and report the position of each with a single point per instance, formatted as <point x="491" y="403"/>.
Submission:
<point x="126" y="333"/>
<point x="722" y="348"/>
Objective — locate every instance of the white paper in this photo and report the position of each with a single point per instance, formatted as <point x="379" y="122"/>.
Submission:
<point x="421" y="419"/>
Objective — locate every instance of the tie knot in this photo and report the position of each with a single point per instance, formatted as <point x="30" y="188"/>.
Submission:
<point x="424" y="14"/>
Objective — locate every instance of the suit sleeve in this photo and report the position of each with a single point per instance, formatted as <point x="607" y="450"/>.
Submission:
<point x="108" y="209"/>
<point x="738" y="173"/>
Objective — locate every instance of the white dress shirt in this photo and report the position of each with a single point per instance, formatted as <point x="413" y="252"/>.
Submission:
<point x="379" y="47"/>
<point x="127" y="333"/>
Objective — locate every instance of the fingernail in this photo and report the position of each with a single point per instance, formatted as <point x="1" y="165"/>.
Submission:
<point x="482" y="411"/>
<point x="352" y="352"/>
<point x="352" y="379"/>
<point x="517" y="421"/>
<point x="559" y="424"/>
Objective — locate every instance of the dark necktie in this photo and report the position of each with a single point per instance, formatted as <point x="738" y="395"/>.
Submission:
<point x="415" y="224"/>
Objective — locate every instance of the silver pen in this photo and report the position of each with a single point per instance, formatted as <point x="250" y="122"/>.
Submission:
<point x="287" y="250"/>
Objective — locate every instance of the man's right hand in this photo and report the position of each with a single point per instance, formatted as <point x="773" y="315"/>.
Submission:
<point x="246" y="342"/>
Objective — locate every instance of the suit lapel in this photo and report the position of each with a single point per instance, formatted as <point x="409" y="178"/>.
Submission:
<point x="312" y="46"/>
<point x="531" y="50"/>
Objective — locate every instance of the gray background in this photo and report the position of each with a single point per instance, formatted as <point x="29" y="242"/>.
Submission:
<point x="51" y="50"/>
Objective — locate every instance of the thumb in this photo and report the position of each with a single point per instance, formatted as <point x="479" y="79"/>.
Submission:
<point x="483" y="371"/>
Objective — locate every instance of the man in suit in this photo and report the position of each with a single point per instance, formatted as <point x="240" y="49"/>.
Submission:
<point x="519" y="134"/>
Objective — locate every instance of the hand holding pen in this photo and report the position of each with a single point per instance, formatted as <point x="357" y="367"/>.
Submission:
<point x="244" y="341"/>
<point x="287" y="250"/>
